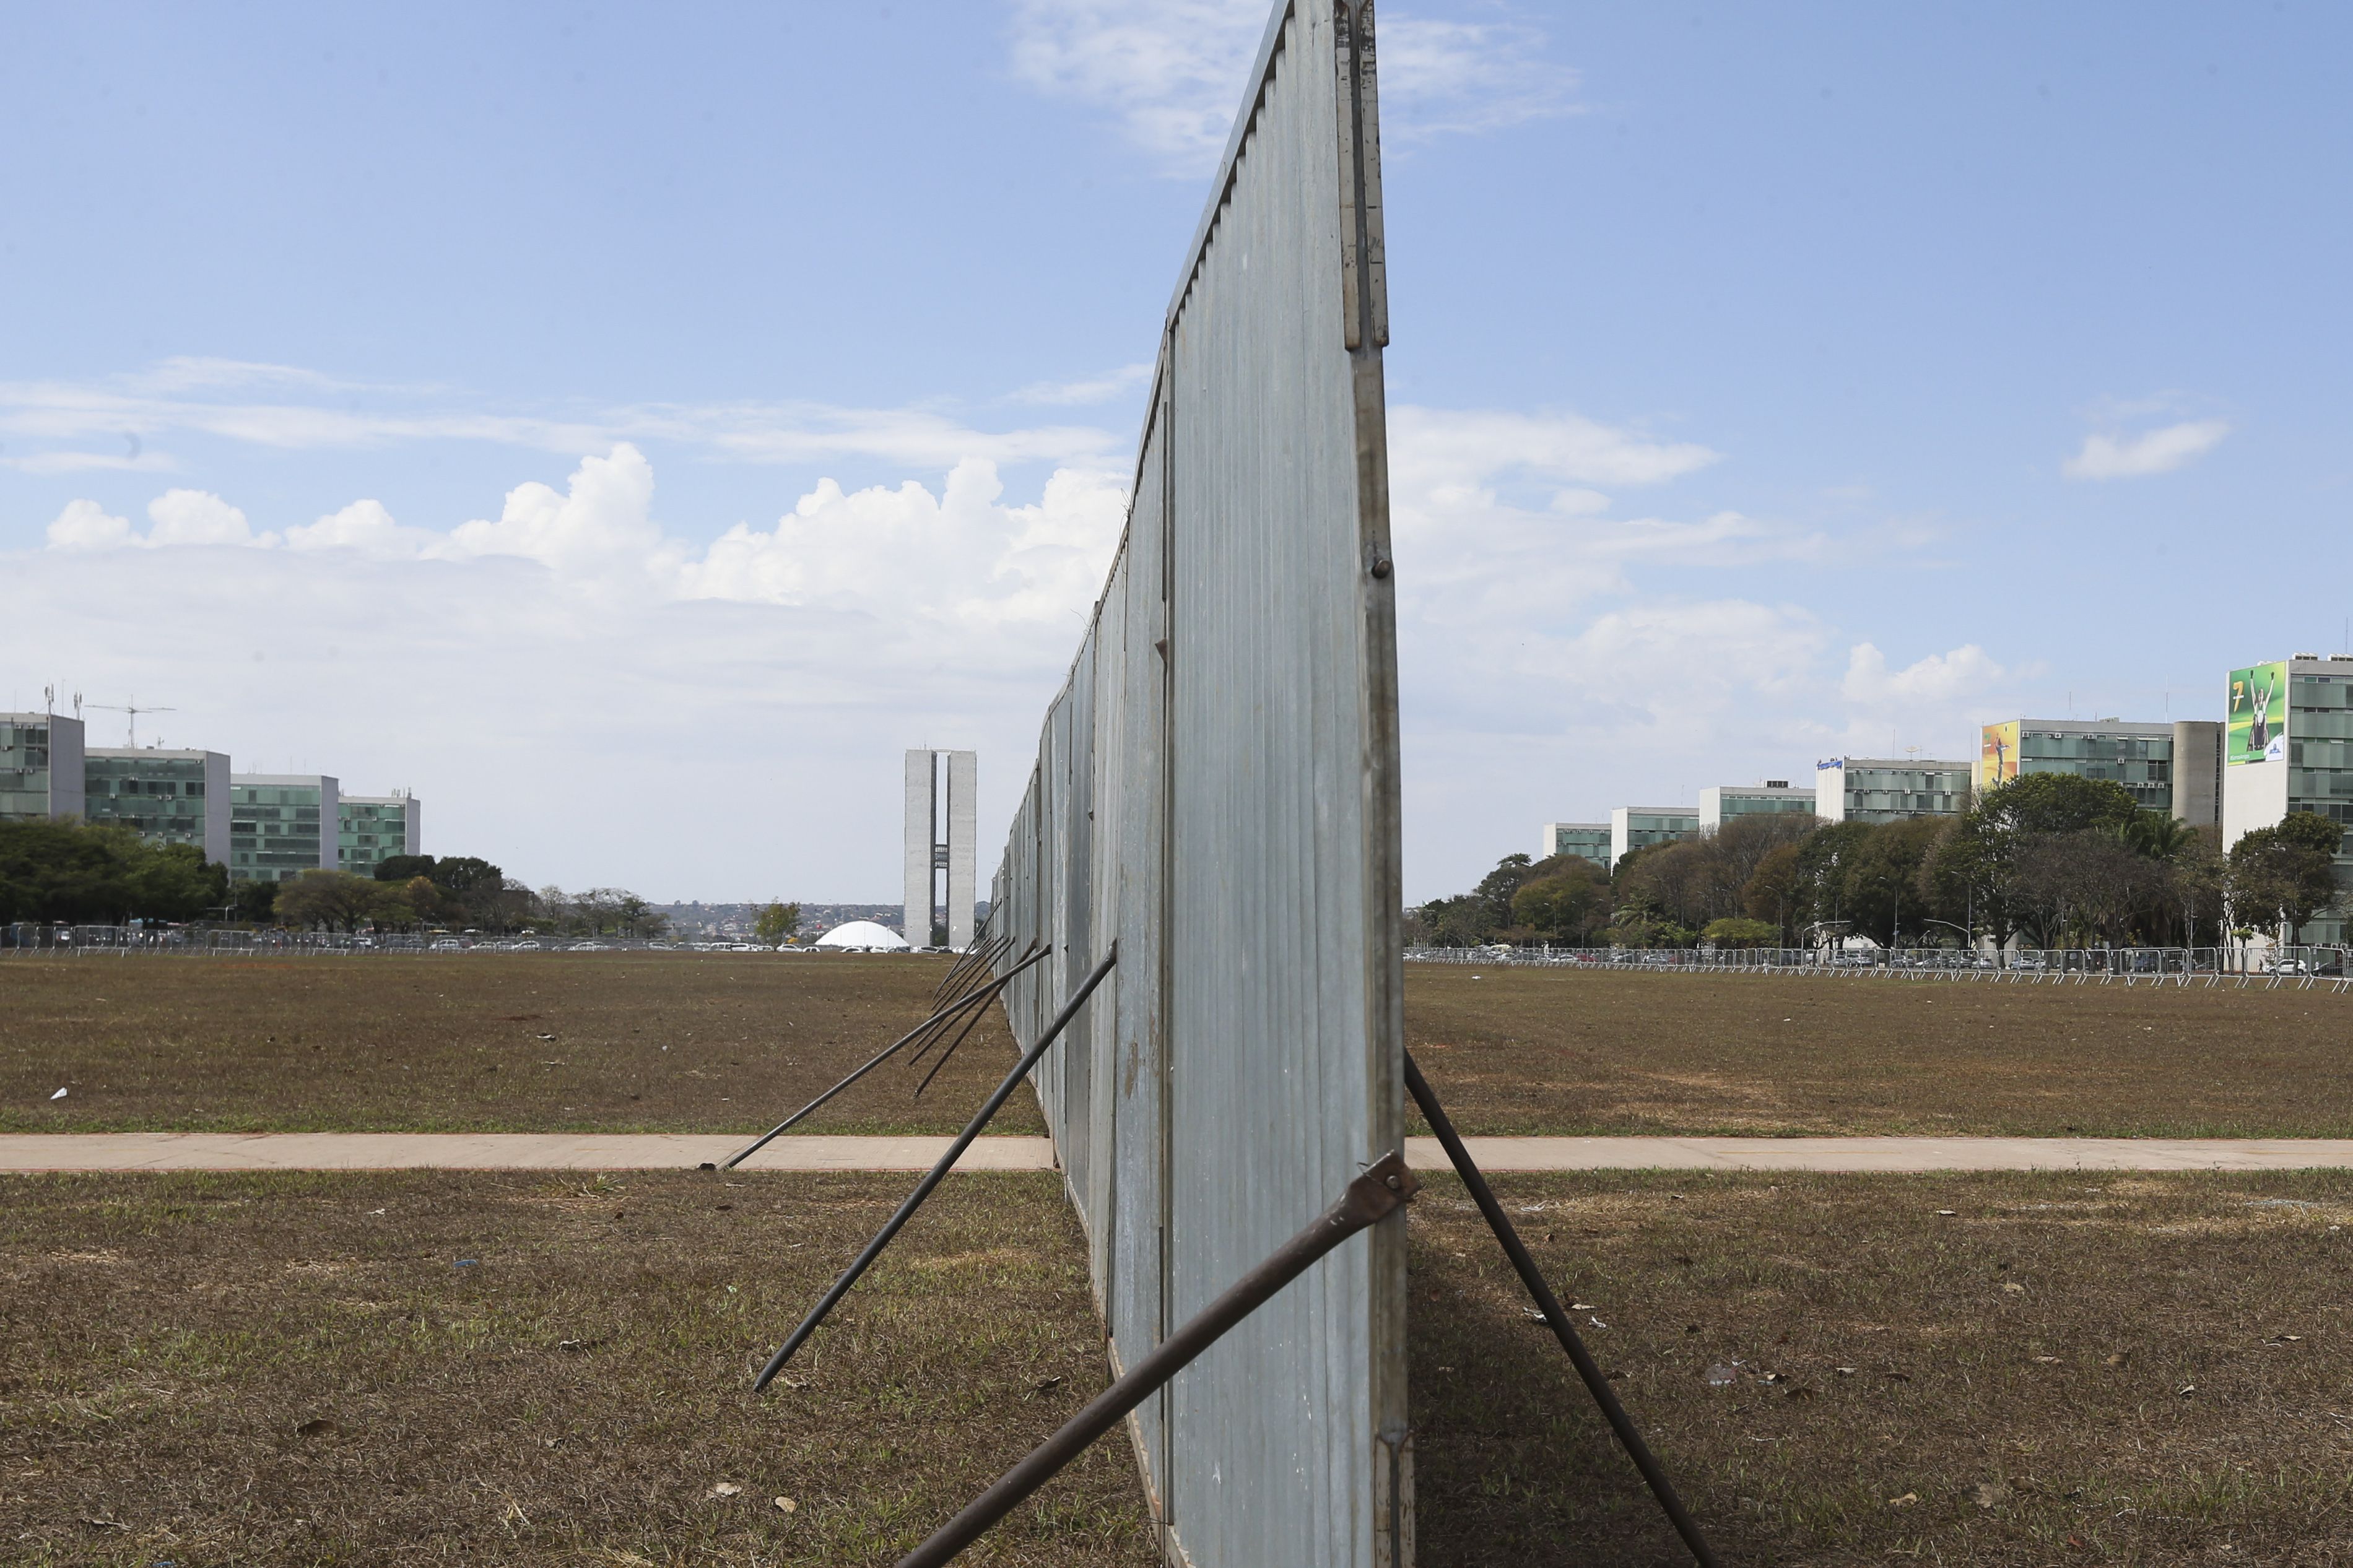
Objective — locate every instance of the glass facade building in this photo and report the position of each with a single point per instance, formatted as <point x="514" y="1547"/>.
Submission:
<point x="1633" y="827"/>
<point x="2138" y="756"/>
<point x="371" y="828"/>
<point x="169" y="797"/>
<point x="1889" y="789"/>
<point x="2312" y="771"/>
<point x="40" y="766"/>
<point x="1589" y="840"/>
<point x="281" y="825"/>
<point x="1720" y="803"/>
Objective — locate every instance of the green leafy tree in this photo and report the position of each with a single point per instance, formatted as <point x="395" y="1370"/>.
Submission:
<point x="1975" y="865"/>
<point x="779" y="922"/>
<point x="328" y="899"/>
<point x="2077" y="888"/>
<point x="401" y="867"/>
<point x="1737" y="931"/>
<point x="1562" y="906"/>
<point x="100" y="874"/>
<point x="1775" y="891"/>
<point x="254" y="902"/>
<point x="2056" y="802"/>
<point x="1636" y="926"/>
<point x="1879" y="898"/>
<point x="1824" y="862"/>
<point x="2198" y="879"/>
<point x="2159" y="835"/>
<point x="2288" y="870"/>
<point x="466" y="876"/>
<point x="1485" y="913"/>
<point x="175" y="882"/>
<point x="417" y="901"/>
<point x="1496" y="888"/>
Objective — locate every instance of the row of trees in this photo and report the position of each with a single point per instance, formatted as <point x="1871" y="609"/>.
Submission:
<point x="412" y="891"/>
<point x="2051" y="859"/>
<point x="101" y="875"/>
<point x="105" y="874"/>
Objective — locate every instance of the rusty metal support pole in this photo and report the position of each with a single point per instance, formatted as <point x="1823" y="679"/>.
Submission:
<point x="995" y="988"/>
<point x="1532" y="1278"/>
<point x="947" y="1013"/>
<point x="981" y="950"/>
<point x="987" y="991"/>
<point x="1385" y="1185"/>
<point x="970" y="1025"/>
<point x="933" y="1177"/>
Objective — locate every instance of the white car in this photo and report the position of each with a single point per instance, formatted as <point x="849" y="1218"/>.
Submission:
<point x="588" y="947"/>
<point x="448" y="944"/>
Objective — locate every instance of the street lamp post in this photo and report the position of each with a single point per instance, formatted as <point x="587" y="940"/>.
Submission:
<point x="1968" y="940"/>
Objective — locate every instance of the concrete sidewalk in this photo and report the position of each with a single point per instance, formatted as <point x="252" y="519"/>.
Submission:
<point x="1892" y="1154"/>
<point x="496" y="1152"/>
<point x="654" y="1152"/>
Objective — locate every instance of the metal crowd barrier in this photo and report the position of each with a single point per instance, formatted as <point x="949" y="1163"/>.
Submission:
<point x="30" y="939"/>
<point x="2299" y="967"/>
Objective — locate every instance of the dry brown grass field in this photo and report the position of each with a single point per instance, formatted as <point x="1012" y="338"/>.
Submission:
<point x="719" y="1042"/>
<point x="1560" y="1051"/>
<point x="302" y="1370"/>
<point x="2151" y="1370"/>
<point x="518" y="1369"/>
<point x="476" y="1042"/>
<point x="529" y="1368"/>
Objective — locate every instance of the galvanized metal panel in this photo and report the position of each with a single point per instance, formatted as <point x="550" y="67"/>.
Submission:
<point x="1106" y="823"/>
<point x="1136" y="1288"/>
<point x="1071" y="1062"/>
<point x="1217" y="792"/>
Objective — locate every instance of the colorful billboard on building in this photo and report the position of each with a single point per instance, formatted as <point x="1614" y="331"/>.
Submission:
<point x="1997" y="753"/>
<point x="2256" y="731"/>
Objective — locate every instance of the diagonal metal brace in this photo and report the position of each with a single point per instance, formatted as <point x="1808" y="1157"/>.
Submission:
<point x="938" y="1020"/>
<point x="1532" y="1278"/>
<point x="933" y="1177"/>
<point x="1385" y="1186"/>
<point x="987" y="989"/>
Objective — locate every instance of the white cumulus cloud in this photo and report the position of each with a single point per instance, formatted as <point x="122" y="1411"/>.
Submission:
<point x="899" y="556"/>
<point x="174" y="518"/>
<point x="86" y="525"/>
<point x="2157" y="451"/>
<point x="1940" y="678"/>
<point x="1171" y="71"/>
<point x="196" y="517"/>
<point x="364" y="526"/>
<point x="732" y="715"/>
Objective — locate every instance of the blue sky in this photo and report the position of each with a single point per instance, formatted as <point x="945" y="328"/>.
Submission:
<point x="630" y="428"/>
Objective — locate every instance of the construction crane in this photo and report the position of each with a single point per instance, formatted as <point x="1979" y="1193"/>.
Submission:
<point x="133" y="710"/>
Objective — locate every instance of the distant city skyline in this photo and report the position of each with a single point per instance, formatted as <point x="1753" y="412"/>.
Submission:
<point x="634" y="439"/>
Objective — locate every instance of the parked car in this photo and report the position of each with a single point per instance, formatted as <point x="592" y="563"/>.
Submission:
<point x="588" y="947"/>
<point x="448" y="944"/>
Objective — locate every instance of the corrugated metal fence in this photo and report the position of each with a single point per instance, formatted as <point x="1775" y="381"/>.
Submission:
<point x="1216" y="793"/>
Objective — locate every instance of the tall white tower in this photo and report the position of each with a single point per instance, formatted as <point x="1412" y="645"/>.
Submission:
<point x="928" y="854"/>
